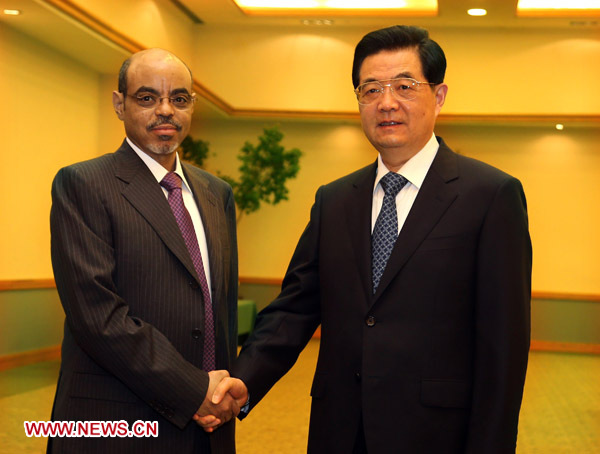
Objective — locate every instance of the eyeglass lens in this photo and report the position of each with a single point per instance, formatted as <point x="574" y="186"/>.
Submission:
<point x="150" y="100"/>
<point x="403" y="89"/>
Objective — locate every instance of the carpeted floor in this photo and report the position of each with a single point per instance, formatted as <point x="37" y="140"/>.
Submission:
<point x="560" y="413"/>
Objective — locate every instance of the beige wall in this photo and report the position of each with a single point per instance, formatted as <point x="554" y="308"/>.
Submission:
<point x="268" y="237"/>
<point x="489" y="71"/>
<point x="560" y="172"/>
<point x="522" y="72"/>
<point x="49" y="119"/>
<point x="111" y="132"/>
<point x="60" y="112"/>
<point x="150" y="23"/>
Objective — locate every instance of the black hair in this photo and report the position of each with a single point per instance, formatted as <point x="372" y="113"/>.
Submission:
<point x="123" y="76"/>
<point x="433" y="60"/>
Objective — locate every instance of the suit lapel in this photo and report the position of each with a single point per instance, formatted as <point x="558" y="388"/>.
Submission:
<point x="434" y="198"/>
<point x="358" y="218"/>
<point x="210" y="214"/>
<point x="146" y="196"/>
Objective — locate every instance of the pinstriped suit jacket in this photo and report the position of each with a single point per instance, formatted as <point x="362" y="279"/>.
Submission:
<point x="133" y="337"/>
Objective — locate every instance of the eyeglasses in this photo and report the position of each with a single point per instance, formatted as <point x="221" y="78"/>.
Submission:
<point x="150" y="100"/>
<point x="403" y="89"/>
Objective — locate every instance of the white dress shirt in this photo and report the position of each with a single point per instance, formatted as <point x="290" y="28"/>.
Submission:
<point x="414" y="170"/>
<point x="159" y="173"/>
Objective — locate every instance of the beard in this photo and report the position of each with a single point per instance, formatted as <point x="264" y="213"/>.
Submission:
<point x="168" y="146"/>
<point x="163" y="148"/>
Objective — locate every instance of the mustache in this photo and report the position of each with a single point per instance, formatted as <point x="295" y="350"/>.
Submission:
<point x="164" y="121"/>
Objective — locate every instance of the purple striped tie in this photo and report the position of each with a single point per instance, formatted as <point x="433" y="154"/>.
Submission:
<point x="172" y="183"/>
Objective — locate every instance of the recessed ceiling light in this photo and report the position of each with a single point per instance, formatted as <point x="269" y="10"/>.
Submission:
<point x="560" y="127"/>
<point x="339" y="7"/>
<point x="558" y="8"/>
<point x="317" y="22"/>
<point x="477" y="12"/>
<point x="12" y="12"/>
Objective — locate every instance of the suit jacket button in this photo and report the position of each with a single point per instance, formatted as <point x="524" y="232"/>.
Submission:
<point x="196" y="333"/>
<point x="357" y="376"/>
<point x="370" y="321"/>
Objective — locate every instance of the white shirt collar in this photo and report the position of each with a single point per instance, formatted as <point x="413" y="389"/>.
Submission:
<point x="416" y="168"/>
<point x="158" y="170"/>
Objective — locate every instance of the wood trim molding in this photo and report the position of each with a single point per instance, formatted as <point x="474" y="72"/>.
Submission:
<point x="534" y="295"/>
<point x="297" y="114"/>
<point x="260" y="281"/>
<point x="508" y="119"/>
<point x="27" y="284"/>
<point x="98" y="26"/>
<point x="212" y="98"/>
<point x="85" y="18"/>
<point x="29" y="357"/>
<point x="53" y="353"/>
<point x="586" y="119"/>
<point x="31" y="284"/>
<point x="564" y="347"/>
<point x="565" y="296"/>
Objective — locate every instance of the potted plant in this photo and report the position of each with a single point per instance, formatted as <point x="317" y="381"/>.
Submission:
<point x="264" y="170"/>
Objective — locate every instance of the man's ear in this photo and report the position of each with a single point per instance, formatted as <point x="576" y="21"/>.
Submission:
<point x="440" y="96"/>
<point x="118" y="103"/>
<point x="194" y="99"/>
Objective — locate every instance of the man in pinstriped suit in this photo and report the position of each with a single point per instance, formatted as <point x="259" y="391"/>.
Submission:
<point x="134" y="330"/>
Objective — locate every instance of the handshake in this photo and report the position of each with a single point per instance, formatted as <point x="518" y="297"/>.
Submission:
<point x="224" y="399"/>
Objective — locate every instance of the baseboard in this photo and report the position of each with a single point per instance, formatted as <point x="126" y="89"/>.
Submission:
<point x="564" y="347"/>
<point x="29" y="357"/>
<point x="53" y="353"/>
<point x="26" y="284"/>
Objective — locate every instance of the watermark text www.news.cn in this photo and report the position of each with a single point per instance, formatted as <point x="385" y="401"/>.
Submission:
<point x="120" y="429"/>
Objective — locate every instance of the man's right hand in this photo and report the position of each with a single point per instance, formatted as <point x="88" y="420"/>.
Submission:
<point x="231" y="387"/>
<point x="213" y="414"/>
<point x="225" y="396"/>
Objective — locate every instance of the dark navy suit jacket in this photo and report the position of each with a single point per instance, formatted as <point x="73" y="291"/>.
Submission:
<point x="435" y="361"/>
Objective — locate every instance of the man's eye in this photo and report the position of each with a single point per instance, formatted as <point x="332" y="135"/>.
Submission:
<point x="146" y="100"/>
<point x="371" y="88"/>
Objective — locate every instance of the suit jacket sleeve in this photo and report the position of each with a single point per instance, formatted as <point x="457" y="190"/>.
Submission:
<point x="502" y="322"/>
<point x="84" y="266"/>
<point x="286" y="325"/>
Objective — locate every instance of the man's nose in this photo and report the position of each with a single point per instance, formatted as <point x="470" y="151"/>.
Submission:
<point x="164" y="107"/>
<point x="388" y="100"/>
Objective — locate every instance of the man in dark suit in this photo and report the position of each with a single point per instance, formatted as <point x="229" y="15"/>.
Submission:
<point x="149" y="287"/>
<point x="418" y="270"/>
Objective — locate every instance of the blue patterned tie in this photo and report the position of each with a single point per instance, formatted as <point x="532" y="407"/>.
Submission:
<point x="172" y="183"/>
<point x="385" y="231"/>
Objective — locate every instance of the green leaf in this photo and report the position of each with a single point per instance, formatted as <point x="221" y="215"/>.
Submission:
<point x="194" y="151"/>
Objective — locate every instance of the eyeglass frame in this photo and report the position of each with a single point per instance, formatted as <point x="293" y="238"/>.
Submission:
<point x="160" y="98"/>
<point x="389" y="85"/>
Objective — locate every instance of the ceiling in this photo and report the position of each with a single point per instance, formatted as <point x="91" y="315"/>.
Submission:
<point x="59" y="30"/>
<point x="71" y="36"/>
<point x="451" y="13"/>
